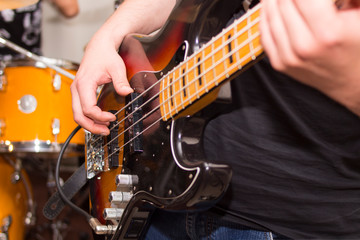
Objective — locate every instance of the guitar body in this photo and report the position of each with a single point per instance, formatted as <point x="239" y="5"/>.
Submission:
<point x="162" y="158"/>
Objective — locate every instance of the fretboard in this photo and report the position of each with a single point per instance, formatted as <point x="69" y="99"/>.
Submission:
<point x="227" y="53"/>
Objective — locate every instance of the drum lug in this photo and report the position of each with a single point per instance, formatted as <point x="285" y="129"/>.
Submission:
<point x="16" y="176"/>
<point x="4" y="229"/>
<point x="3" y="80"/>
<point x="2" y="127"/>
<point x="27" y="104"/>
<point x="55" y="126"/>
<point x="57" y="82"/>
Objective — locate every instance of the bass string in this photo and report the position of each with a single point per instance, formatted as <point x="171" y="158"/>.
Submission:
<point x="247" y="28"/>
<point x="159" y="119"/>
<point x="210" y="69"/>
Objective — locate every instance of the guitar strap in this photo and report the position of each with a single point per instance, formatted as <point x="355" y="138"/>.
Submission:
<point x="73" y="184"/>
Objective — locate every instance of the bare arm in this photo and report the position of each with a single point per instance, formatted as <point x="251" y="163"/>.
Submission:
<point x="69" y="8"/>
<point x="317" y="44"/>
<point x="102" y="64"/>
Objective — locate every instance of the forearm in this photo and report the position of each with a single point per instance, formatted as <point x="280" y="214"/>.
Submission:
<point x="136" y="16"/>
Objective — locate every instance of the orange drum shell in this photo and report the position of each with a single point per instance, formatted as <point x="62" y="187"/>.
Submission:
<point x="51" y="104"/>
<point x="13" y="200"/>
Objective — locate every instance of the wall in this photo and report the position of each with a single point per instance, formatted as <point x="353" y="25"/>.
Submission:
<point x="66" y="38"/>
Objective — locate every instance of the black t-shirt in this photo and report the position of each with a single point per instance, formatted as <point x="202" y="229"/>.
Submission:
<point x="21" y="26"/>
<point x="295" y="156"/>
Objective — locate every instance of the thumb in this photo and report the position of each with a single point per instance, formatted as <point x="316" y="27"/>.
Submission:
<point x="119" y="78"/>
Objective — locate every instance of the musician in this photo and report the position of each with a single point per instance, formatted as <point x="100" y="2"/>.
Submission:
<point x="292" y="135"/>
<point x="22" y="26"/>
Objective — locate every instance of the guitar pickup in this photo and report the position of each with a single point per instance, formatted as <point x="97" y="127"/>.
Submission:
<point x="134" y="122"/>
<point x="113" y="144"/>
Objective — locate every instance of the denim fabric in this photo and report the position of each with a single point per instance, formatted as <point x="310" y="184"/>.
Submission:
<point x="202" y="226"/>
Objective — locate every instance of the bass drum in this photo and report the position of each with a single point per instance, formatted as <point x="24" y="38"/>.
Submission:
<point x="36" y="114"/>
<point x="15" y="200"/>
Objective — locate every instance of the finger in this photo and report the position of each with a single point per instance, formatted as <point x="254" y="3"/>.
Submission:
<point x="280" y="50"/>
<point x="86" y="92"/>
<point x="267" y="40"/>
<point x="318" y="15"/>
<point x="84" y="121"/>
<point x="302" y="41"/>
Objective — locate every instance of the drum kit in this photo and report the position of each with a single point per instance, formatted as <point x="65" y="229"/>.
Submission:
<point x="35" y="121"/>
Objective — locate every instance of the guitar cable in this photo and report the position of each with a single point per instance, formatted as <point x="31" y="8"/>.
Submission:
<point x="67" y="201"/>
<point x="57" y="178"/>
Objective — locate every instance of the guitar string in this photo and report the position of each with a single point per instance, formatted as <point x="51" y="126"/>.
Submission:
<point x="251" y="54"/>
<point x="233" y="25"/>
<point x="249" y="26"/>
<point x="244" y="44"/>
<point x="158" y="120"/>
<point x="155" y="122"/>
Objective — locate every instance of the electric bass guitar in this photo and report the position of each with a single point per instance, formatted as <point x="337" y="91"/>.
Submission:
<point x="153" y="157"/>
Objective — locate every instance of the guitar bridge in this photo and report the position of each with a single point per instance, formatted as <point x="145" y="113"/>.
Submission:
<point x="94" y="154"/>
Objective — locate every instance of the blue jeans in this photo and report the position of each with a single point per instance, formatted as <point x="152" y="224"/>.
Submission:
<point x="194" y="226"/>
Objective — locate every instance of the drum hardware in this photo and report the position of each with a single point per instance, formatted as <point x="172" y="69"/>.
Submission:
<point x="4" y="229"/>
<point x="17" y="209"/>
<point x="55" y="127"/>
<point x="27" y="103"/>
<point x="2" y="82"/>
<point x="2" y="127"/>
<point x="12" y="4"/>
<point x="57" y="82"/>
<point x="2" y="77"/>
<point x="35" y="57"/>
<point x="16" y="177"/>
<point x="37" y="116"/>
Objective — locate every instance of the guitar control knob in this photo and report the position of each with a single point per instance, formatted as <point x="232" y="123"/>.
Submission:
<point x="118" y="197"/>
<point x="126" y="180"/>
<point x="113" y="213"/>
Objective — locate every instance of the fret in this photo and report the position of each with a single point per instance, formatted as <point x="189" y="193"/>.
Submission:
<point x="183" y="88"/>
<point x="169" y="96"/>
<point x="177" y="89"/>
<point x="219" y="58"/>
<point x="236" y="43"/>
<point x="190" y="80"/>
<point x="256" y="32"/>
<point x="231" y="50"/>
<point x="197" y="69"/>
<point x="224" y="53"/>
<point x="251" y="46"/>
<point x="183" y="74"/>
<point x="165" y="100"/>
<point x="205" y="64"/>
<point x="213" y="66"/>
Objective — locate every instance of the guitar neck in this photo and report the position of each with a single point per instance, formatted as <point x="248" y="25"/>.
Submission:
<point x="236" y="47"/>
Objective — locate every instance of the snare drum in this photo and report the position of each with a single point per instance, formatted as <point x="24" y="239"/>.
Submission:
<point x="14" y="201"/>
<point x="36" y="114"/>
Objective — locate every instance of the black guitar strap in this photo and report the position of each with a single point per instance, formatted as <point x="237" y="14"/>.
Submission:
<point x="73" y="184"/>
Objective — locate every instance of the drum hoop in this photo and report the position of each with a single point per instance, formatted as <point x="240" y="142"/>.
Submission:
<point x="30" y="62"/>
<point x="39" y="147"/>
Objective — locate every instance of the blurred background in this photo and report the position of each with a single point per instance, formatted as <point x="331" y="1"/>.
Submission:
<point x="66" y="38"/>
<point x="27" y="167"/>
